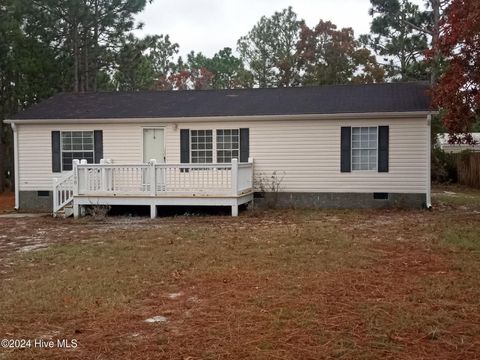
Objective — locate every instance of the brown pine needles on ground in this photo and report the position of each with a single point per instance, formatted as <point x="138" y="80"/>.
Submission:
<point x="370" y="284"/>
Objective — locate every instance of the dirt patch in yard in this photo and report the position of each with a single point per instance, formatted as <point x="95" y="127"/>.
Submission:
<point x="367" y="284"/>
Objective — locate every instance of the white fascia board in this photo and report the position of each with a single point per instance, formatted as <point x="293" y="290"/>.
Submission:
<point x="374" y="115"/>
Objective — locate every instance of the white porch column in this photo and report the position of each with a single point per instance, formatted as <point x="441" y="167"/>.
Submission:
<point x="252" y="179"/>
<point x="153" y="177"/>
<point x="153" y="211"/>
<point x="234" y="210"/>
<point x="55" y="195"/>
<point x="103" y="176"/>
<point x="76" y="210"/>
<point x="234" y="177"/>
<point x="76" y="180"/>
<point x="85" y="178"/>
<point x="252" y="169"/>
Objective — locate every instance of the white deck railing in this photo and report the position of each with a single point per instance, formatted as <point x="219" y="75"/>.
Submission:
<point x="62" y="191"/>
<point x="154" y="179"/>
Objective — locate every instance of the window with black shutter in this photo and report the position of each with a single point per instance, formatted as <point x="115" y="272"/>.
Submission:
<point x="70" y="145"/>
<point x="214" y="145"/>
<point x="364" y="148"/>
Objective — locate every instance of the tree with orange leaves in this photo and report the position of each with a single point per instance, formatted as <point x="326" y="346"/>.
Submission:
<point x="457" y="92"/>
<point x="327" y="55"/>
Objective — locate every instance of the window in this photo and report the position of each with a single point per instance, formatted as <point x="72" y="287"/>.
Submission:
<point x="364" y="148"/>
<point x="228" y="145"/>
<point x="76" y="145"/>
<point x="201" y="146"/>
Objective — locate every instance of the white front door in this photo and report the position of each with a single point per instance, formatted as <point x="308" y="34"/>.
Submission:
<point x="153" y="145"/>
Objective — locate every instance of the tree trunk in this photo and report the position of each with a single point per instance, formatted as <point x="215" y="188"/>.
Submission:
<point x="403" y="57"/>
<point x="87" y="63"/>
<point x="85" y="46"/>
<point x="2" y="148"/>
<point x="75" y="58"/>
<point x="95" y="46"/>
<point x="435" y="37"/>
<point x="3" y="157"/>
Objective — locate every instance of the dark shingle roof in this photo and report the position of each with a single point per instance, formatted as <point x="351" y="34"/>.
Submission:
<point x="388" y="97"/>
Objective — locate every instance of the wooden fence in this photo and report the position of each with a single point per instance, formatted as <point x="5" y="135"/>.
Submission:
<point x="468" y="168"/>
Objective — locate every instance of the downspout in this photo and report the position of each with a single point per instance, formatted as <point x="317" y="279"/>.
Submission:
<point x="429" y="162"/>
<point x="15" y="164"/>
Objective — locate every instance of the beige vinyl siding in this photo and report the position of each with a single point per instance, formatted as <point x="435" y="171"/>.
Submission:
<point x="121" y="142"/>
<point x="306" y="151"/>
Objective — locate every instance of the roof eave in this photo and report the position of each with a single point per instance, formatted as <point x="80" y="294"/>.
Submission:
<point x="340" y="116"/>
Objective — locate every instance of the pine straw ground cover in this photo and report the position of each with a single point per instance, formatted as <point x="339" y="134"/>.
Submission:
<point x="291" y="284"/>
<point x="7" y="201"/>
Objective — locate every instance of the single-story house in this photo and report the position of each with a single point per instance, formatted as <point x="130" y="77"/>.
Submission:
<point x="329" y="146"/>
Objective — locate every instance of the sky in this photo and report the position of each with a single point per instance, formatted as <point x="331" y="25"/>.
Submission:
<point x="210" y="25"/>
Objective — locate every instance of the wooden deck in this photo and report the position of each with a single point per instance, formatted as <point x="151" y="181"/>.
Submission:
<point x="154" y="184"/>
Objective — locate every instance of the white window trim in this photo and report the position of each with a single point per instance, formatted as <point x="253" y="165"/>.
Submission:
<point x="214" y="143"/>
<point x="61" y="146"/>
<point x="351" y="151"/>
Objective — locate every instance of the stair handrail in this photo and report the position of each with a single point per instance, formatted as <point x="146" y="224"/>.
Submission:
<point x="63" y="191"/>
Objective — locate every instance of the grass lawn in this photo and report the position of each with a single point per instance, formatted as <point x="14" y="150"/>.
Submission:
<point x="294" y="284"/>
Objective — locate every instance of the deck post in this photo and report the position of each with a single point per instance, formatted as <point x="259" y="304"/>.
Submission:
<point x="55" y="196"/>
<point x="234" y="210"/>
<point x="153" y="178"/>
<point x="234" y="177"/>
<point x="75" y="176"/>
<point x="153" y="211"/>
<point x="103" y="184"/>
<point x="76" y="210"/>
<point x="85" y="176"/>
<point x="250" y="161"/>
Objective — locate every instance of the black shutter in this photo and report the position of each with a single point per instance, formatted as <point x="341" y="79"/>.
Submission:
<point x="345" y="149"/>
<point x="98" y="144"/>
<point x="383" y="144"/>
<point x="184" y="146"/>
<point x="244" y="144"/>
<point x="56" y="153"/>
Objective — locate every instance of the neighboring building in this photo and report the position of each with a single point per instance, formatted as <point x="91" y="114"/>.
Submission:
<point x="456" y="148"/>
<point x="334" y="146"/>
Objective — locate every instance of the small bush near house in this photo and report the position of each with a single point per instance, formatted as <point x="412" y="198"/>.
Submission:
<point x="444" y="170"/>
<point x="269" y="186"/>
<point x="98" y="212"/>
